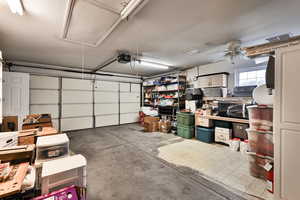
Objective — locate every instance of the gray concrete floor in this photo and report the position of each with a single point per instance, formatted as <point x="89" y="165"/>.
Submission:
<point x="123" y="165"/>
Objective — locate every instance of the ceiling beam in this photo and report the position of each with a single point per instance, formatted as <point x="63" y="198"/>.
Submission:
<point x="270" y="47"/>
<point x="105" y="64"/>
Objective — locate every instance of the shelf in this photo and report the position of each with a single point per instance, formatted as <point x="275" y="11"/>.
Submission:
<point x="229" y="119"/>
<point x="162" y="91"/>
<point x="181" y="82"/>
<point x="165" y="98"/>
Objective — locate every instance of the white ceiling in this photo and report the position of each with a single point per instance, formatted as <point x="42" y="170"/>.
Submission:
<point x="164" y="30"/>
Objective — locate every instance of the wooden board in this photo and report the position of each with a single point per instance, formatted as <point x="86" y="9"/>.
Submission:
<point x="26" y="137"/>
<point x="14" y="182"/>
<point x="47" y="131"/>
<point x="229" y="119"/>
<point x="18" y="153"/>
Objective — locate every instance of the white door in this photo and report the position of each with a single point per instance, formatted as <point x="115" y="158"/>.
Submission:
<point x="16" y="95"/>
<point x="287" y="124"/>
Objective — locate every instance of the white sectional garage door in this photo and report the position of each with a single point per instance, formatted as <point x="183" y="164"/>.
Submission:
<point x="106" y="98"/>
<point x="77" y="104"/>
<point x="129" y="102"/>
<point x="44" y="96"/>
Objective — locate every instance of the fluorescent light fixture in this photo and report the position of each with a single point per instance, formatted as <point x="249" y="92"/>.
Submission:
<point x="260" y="60"/>
<point x="129" y="8"/>
<point x="154" y="65"/>
<point x="15" y="6"/>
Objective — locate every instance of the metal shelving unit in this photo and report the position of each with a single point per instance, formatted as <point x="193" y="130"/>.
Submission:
<point x="156" y="95"/>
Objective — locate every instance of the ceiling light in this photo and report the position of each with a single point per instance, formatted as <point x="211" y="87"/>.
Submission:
<point x="155" y="65"/>
<point x="260" y="60"/>
<point x="129" y="8"/>
<point x="15" y="6"/>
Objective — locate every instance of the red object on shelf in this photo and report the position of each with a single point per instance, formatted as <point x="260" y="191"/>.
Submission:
<point x="270" y="181"/>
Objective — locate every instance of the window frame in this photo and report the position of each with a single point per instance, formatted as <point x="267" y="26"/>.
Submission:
<point x="246" y="69"/>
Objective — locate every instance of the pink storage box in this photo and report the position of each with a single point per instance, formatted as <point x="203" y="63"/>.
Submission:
<point x="67" y="193"/>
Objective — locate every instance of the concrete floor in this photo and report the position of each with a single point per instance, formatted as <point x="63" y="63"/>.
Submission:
<point x="123" y="164"/>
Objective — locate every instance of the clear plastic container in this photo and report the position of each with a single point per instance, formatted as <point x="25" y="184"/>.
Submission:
<point x="261" y="142"/>
<point x="51" y="147"/>
<point x="260" y="117"/>
<point x="257" y="165"/>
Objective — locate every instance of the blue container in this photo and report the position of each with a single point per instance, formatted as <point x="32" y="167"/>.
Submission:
<point x="205" y="134"/>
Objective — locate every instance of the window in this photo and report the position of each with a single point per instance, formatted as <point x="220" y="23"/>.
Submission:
<point x="251" y="77"/>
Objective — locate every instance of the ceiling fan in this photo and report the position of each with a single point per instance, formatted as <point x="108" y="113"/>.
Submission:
<point x="225" y="51"/>
<point x="232" y="52"/>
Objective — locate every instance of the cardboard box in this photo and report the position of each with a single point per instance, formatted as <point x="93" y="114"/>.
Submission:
<point x="9" y="123"/>
<point x="151" y="124"/>
<point x="26" y="137"/>
<point x="151" y="127"/>
<point x="164" y="126"/>
<point x="149" y="119"/>
<point x="200" y="120"/>
<point x="33" y="121"/>
<point x="17" y="154"/>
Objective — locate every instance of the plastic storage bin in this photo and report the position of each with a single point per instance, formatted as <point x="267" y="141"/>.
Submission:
<point x="201" y="120"/>
<point x="257" y="165"/>
<point x="185" y="131"/>
<point x="51" y="147"/>
<point x="239" y="130"/>
<point x="261" y="142"/>
<point x="223" y="124"/>
<point x="261" y="117"/>
<point x="205" y="134"/>
<point x="185" y="118"/>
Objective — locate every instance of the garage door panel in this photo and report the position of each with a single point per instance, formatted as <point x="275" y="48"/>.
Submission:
<point x="129" y="97"/>
<point x="77" y="96"/>
<point x="44" y="82"/>
<point x="104" y="109"/>
<point x="76" y="110"/>
<point x="55" y="123"/>
<point x="77" y="84"/>
<point x="106" y="86"/>
<point x="125" y="87"/>
<point x="135" y="88"/>
<point x="129" y="107"/>
<point x="129" y="118"/>
<point x="44" y="97"/>
<point x="106" y="97"/>
<point x="68" y="124"/>
<point x="107" y="120"/>
<point x="45" y="109"/>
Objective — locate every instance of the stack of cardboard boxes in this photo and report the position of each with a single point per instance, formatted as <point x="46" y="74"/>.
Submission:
<point x="154" y="124"/>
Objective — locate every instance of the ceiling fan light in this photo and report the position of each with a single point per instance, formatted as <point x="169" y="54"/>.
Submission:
<point x="15" y="6"/>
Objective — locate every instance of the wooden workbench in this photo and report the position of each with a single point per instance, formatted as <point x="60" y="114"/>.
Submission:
<point x="229" y="119"/>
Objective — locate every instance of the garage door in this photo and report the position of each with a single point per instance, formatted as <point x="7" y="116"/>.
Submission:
<point x="106" y="98"/>
<point x="77" y="104"/>
<point x="129" y="102"/>
<point x="44" y="96"/>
